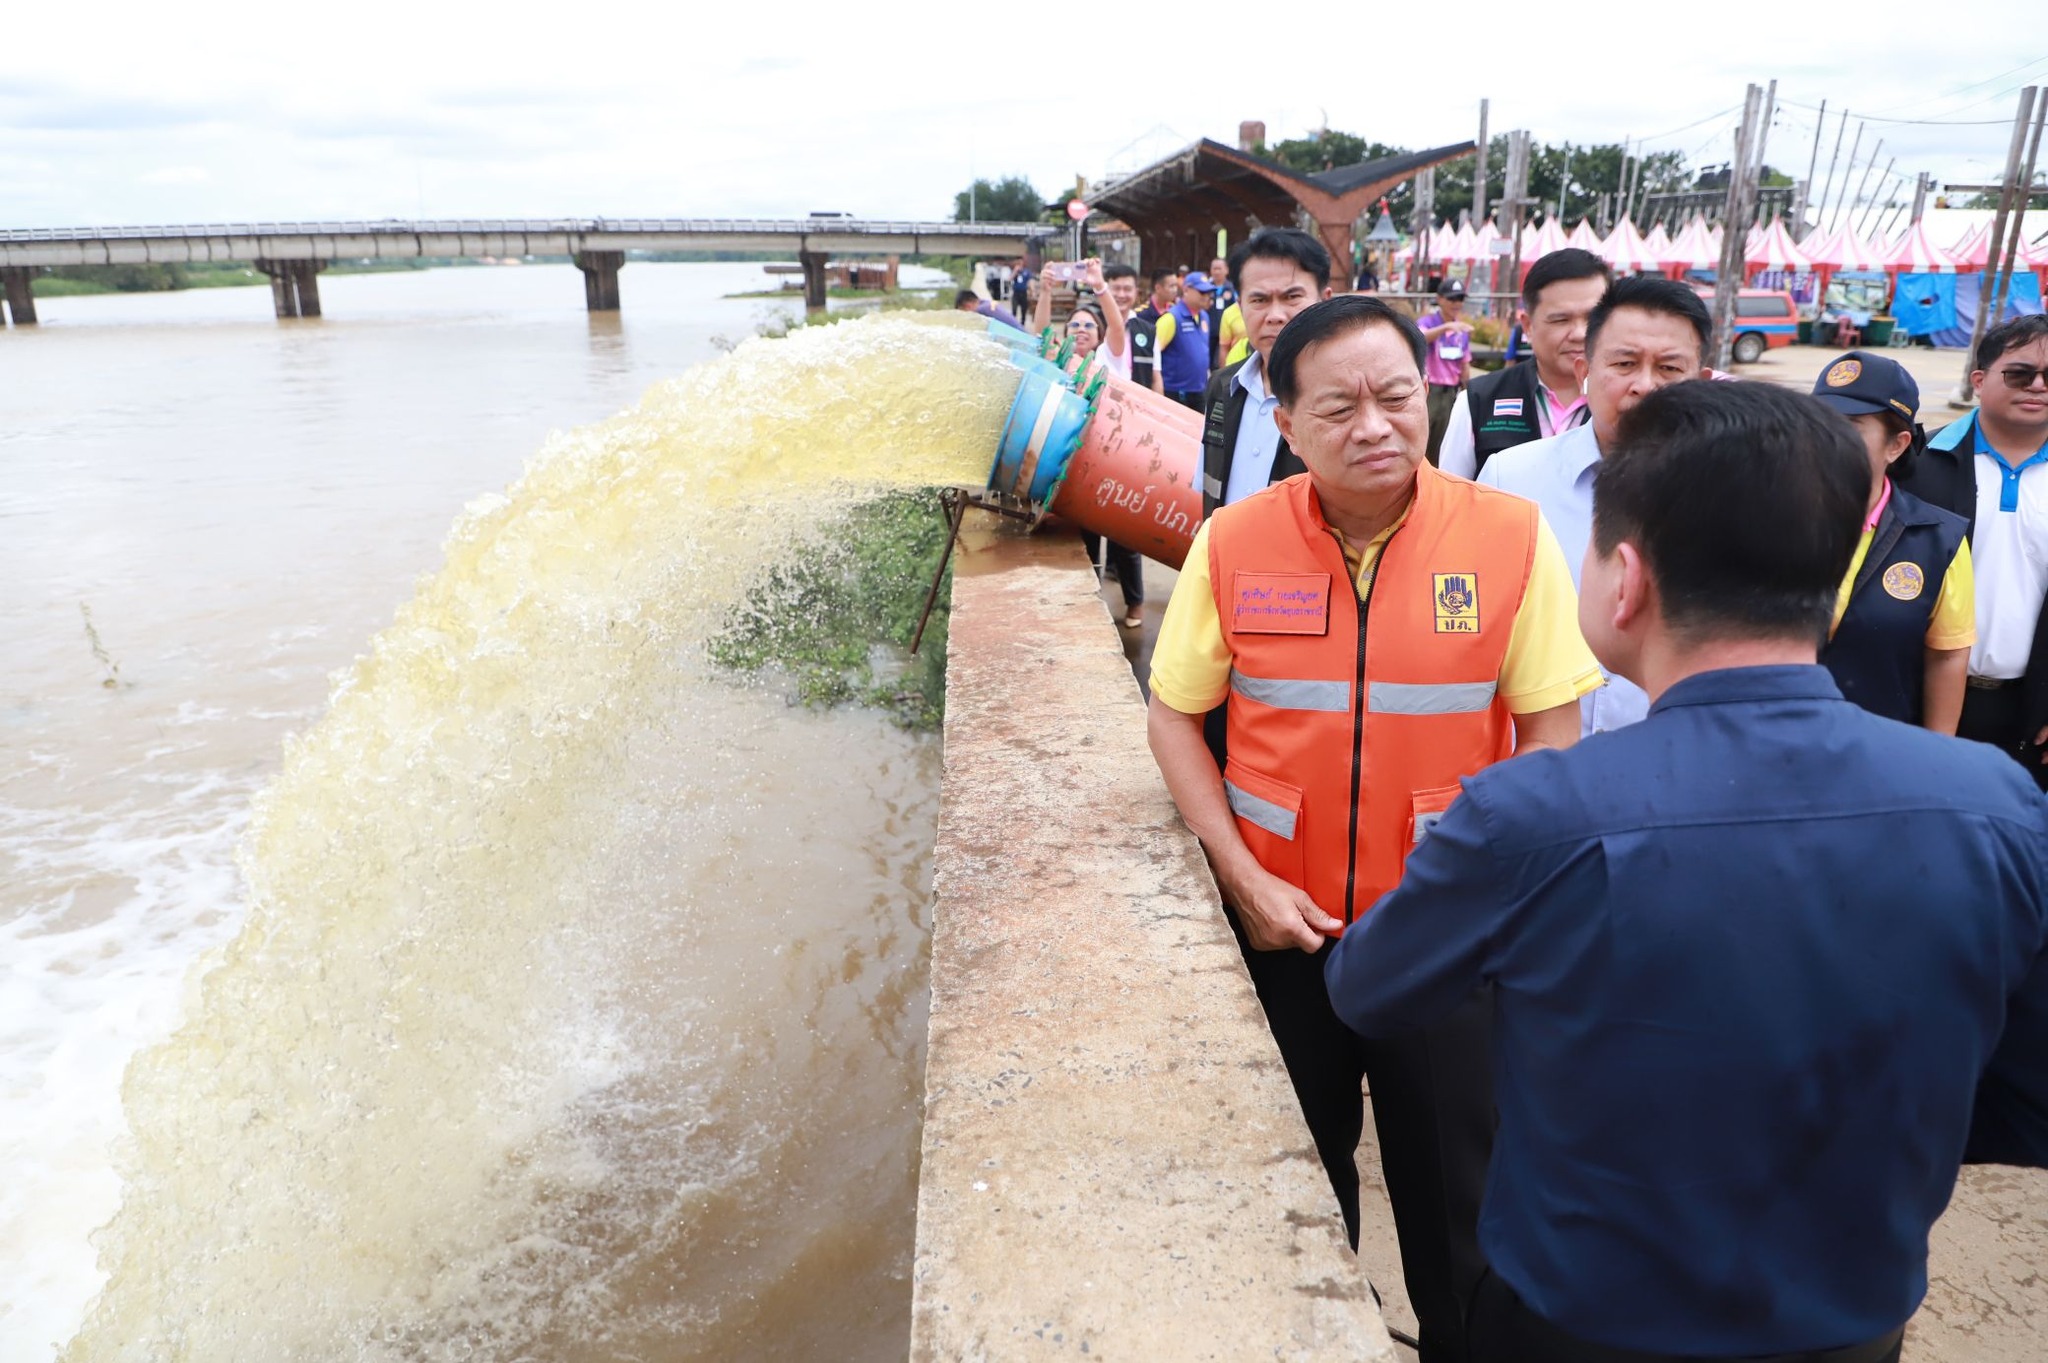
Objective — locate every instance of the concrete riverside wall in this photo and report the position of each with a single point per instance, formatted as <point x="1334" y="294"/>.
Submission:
<point x="1114" y="1163"/>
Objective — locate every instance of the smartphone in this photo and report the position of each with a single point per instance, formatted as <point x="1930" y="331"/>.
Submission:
<point x="1066" y="272"/>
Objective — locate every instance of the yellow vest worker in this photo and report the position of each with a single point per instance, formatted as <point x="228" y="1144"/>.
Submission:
<point x="1376" y="630"/>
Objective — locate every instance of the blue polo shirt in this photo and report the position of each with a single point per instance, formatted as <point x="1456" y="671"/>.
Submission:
<point x="1750" y="957"/>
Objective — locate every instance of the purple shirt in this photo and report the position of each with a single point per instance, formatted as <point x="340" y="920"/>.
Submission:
<point x="1443" y="360"/>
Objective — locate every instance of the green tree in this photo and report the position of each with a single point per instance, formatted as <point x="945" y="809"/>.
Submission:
<point x="1011" y="199"/>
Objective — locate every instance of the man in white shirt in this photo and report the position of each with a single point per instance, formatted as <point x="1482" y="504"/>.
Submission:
<point x="1277" y="273"/>
<point x="1644" y="334"/>
<point x="1992" y="467"/>
<point x="1531" y="401"/>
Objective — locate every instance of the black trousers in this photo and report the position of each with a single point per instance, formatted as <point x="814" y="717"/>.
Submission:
<point x="1432" y="1103"/>
<point x="1191" y="398"/>
<point x="1998" y="717"/>
<point x="1505" y="1330"/>
<point x="1128" y="565"/>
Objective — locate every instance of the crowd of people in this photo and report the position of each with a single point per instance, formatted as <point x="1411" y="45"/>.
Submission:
<point x="1596" y="797"/>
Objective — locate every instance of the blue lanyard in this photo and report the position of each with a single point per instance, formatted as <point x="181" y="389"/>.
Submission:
<point x="2009" y="490"/>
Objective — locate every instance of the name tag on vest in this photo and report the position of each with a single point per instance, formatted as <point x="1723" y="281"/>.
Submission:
<point x="1280" y="603"/>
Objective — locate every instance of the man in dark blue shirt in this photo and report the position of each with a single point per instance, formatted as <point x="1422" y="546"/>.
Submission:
<point x="1749" y="956"/>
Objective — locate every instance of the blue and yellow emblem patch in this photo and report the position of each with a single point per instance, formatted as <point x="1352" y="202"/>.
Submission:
<point x="1457" y="602"/>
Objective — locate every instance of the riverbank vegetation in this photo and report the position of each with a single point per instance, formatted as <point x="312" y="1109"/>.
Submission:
<point x="838" y="619"/>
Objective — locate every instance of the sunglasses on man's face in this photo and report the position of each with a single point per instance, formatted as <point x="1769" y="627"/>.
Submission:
<point x="2023" y="376"/>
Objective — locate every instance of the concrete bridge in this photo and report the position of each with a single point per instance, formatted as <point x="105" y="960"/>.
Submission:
<point x="292" y="254"/>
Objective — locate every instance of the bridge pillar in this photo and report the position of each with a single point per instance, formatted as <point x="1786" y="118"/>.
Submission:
<point x="294" y="286"/>
<point x="21" y="298"/>
<point x="306" y="283"/>
<point x="814" y="279"/>
<point x="600" y="278"/>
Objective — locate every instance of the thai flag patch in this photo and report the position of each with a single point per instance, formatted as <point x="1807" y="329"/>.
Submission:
<point x="1507" y="406"/>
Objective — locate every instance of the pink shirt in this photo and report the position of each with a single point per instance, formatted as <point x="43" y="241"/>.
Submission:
<point x="1443" y="362"/>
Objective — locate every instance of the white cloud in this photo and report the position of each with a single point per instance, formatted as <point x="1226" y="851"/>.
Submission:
<point x="720" y="110"/>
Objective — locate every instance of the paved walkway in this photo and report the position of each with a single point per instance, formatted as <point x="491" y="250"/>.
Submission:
<point x="1987" y="1299"/>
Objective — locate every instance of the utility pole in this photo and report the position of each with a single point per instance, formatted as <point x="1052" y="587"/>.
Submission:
<point x="1625" y="189"/>
<point x="1877" y="200"/>
<point x="1806" y="186"/>
<point x="1516" y="201"/>
<point x="1919" y="196"/>
<point x="1847" y="171"/>
<point x="1827" y="185"/>
<point x="1425" y="222"/>
<point x="1763" y="133"/>
<point x="2023" y="193"/>
<point x="1728" y="278"/>
<point x="1564" y="184"/>
<point x="1964" y="397"/>
<point x="1479" y="172"/>
<point x="1849" y="210"/>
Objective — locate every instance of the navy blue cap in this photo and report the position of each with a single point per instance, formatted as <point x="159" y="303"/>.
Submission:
<point x="1861" y="382"/>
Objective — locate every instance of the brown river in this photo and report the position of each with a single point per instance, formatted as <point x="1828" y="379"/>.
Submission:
<point x="412" y="950"/>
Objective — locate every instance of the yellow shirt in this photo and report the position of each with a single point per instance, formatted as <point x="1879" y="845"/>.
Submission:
<point x="1547" y="662"/>
<point x="1239" y="351"/>
<point x="1954" y="624"/>
<point x="1230" y="332"/>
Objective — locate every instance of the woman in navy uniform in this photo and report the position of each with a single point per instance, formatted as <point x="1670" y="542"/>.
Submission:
<point x="1906" y="616"/>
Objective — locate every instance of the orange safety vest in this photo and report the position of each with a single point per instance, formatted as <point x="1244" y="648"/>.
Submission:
<point x="1331" y="794"/>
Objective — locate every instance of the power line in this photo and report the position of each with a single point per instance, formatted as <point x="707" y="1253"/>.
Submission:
<point x="1966" y="88"/>
<point x="1932" y="122"/>
<point x="1658" y="137"/>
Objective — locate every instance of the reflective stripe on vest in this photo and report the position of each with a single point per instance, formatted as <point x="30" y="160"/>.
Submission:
<point x="1290" y="693"/>
<point x="1273" y="818"/>
<point x="1400" y="695"/>
<point x="1409" y="698"/>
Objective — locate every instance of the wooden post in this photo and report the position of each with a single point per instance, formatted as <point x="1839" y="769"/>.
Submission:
<point x="1863" y="223"/>
<point x="18" y="282"/>
<point x="1964" y="395"/>
<point x="1728" y="279"/>
<point x="1479" y="172"/>
<point x="2023" y="192"/>
<point x="1834" y="159"/>
<point x="1424" y="225"/>
<point x="1806" y="185"/>
<point x="1847" y="171"/>
<point x="1849" y="209"/>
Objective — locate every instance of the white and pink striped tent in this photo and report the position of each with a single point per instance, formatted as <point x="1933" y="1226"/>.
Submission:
<point x="1659" y="241"/>
<point x="1915" y="254"/>
<point x="1547" y="238"/>
<point x="1584" y="237"/>
<point x="1626" y="251"/>
<point x="1842" y="249"/>
<point x="1973" y="252"/>
<point x="1694" y="249"/>
<point x="1463" y="244"/>
<point x="1771" y="249"/>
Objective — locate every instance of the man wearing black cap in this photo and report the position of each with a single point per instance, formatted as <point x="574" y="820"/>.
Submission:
<point x="1183" y="342"/>
<point x="1906" y="615"/>
<point x="1447" y="359"/>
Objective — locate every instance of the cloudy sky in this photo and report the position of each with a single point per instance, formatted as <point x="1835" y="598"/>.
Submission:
<point x="115" y="114"/>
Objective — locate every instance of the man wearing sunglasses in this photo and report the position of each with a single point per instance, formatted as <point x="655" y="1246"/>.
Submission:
<point x="1991" y="468"/>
